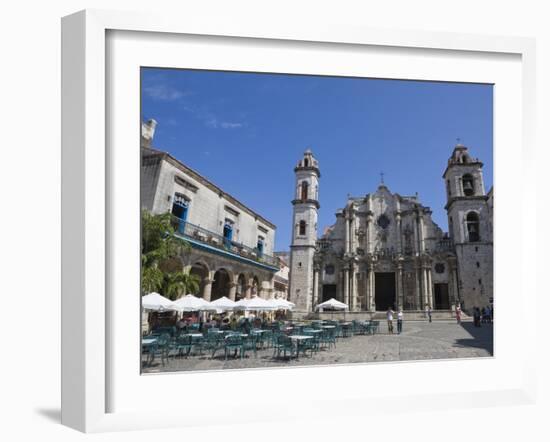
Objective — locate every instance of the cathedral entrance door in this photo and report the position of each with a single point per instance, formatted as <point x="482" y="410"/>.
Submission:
<point x="441" y="294"/>
<point x="384" y="291"/>
<point x="329" y="291"/>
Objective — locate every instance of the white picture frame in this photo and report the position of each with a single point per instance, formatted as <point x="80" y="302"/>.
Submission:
<point x="89" y="174"/>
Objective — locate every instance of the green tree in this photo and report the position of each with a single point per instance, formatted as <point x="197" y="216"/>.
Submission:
<point x="158" y="242"/>
<point x="177" y="284"/>
<point x="158" y="245"/>
<point x="152" y="279"/>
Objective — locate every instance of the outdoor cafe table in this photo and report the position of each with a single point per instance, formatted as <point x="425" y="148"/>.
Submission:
<point x="233" y="333"/>
<point x="146" y="342"/>
<point x="328" y="326"/>
<point x="299" y="339"/>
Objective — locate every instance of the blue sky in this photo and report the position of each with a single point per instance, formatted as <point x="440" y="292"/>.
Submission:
<point x="245" y="132"/>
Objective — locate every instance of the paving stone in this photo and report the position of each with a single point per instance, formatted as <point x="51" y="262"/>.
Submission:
<point x="419" y="341"/>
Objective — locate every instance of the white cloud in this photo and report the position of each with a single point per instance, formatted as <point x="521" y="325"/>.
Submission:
<point x="162" y="92"/>
<point x="213" y="122"/>
<point x="228" y="125"/>
<point x="202" y="113"/>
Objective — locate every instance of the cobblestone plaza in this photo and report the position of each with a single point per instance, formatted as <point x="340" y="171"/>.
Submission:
<point x="420" y="340"/>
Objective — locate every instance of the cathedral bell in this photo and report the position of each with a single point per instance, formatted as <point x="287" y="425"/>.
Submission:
<point x="468" y="186"/>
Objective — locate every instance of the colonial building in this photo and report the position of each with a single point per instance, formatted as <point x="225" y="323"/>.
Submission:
<point x="384" y="250"/>
<point x="280" y="281"/>
<point x="231" y="245"/>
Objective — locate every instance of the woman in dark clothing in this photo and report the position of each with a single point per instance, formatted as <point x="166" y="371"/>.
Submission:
<point x="477" y="317"/>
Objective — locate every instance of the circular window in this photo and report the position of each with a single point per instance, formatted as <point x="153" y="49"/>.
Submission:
<point x="439" y="267"/>
<point x="383" y="221"/>
<point x="329" y="269"/>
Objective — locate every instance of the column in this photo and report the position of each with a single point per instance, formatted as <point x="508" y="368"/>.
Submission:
<point x="315" y="287"/>
<point x="421" y="233"/>
<point x="262" y="291"/>
<point x="367" y="239"/>
<point x="430" y="288"/>
<point x="373" y="290"/>
<point x="399" y="233"/>
<point x="207" y="291"/>
<point x="424" y="287"/>
<point x="416" y="236"/>
<point x="346" y="229"/>
<point x="248" y="291"/>
<point x="353" y="228"/>
<point x="346" y="286"/>
<point x="232" y="290"/>
<point x="399" y="287"/>
<point x="417" y="295"/>
<point x="368" y="294"/>
<point x="353" y="288"/>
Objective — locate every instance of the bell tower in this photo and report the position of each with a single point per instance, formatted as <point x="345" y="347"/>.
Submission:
<point x="304" y="232"/>
<point x="470" y="228"/>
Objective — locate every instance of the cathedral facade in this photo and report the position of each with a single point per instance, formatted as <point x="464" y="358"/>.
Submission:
<point x="384" y="250"/>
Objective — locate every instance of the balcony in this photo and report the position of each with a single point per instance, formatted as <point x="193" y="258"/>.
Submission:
<point x="445" y="245"/>
<point x="197" y="234"/>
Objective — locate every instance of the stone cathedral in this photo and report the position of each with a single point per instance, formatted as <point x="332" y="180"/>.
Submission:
<point x="384" y="250"/>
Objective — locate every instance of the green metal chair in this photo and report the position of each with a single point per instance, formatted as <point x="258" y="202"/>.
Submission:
<point x="198" y="343"/>
<point x="347" y="331"/>
<point x="233" y="343"/>
<point x="213" y="342"/>
<point x="250" y="343"/>
<point x="183" y="345"/>
<point x="313" y="344"/>
<point x="266" y="339"/>
<point x="160" y="348"/>
<point x="283" y="345"/>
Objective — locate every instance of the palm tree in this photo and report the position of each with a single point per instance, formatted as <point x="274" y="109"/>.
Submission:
<point x="158" y="245"/>
<point x="152" y="279"/>
<point x="177" y="284"/>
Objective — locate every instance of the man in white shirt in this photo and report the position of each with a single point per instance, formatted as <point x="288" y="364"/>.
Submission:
<point x="389" y="317"/>
<point x="399" y="321"/>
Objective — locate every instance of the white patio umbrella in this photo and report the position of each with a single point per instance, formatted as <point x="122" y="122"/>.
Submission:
<point x="223" y="304"/>
<point x="282" y="304"/>
<point x="256" y="304"/>
<point x="190" y="303"/>
<point x="332" y="304"/>
<point x="156" y="302"/>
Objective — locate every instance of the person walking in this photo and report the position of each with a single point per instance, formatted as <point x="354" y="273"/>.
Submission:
<point x="477" y="317"/>
<point x="389" y="317"/>
<point x="488" y="319"/>
<point x="429" y="314"/>
<point x="399" y="321"/>
<point x="458" y="312"/>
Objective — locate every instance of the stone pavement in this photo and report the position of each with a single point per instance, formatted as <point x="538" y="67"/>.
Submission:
<point x="420" y="340"/>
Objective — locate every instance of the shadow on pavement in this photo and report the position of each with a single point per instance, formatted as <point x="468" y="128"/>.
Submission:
<point x="482" y="337"/>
